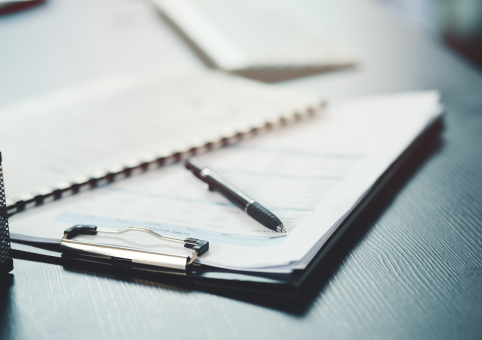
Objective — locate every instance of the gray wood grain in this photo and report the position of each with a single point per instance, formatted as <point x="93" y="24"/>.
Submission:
<point x="410" y="268"/>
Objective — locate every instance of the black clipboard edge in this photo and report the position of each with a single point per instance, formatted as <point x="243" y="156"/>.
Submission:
<point x="430" y="133"/>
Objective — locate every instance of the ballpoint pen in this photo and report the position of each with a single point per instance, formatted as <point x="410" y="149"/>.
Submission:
<point x="236" y="196"/>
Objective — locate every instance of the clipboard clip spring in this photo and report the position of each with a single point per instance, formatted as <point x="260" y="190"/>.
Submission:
<point x="148" y="257"/>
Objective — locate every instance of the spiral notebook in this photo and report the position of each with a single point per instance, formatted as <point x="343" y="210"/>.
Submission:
<point x="114" y="127"/>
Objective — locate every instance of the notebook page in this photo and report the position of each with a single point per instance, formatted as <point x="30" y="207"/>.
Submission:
<point x="110" y="121"/>
<point x="309" y="175"/>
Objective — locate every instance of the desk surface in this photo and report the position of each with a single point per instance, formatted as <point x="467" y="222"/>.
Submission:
<point x="409" y="268"/>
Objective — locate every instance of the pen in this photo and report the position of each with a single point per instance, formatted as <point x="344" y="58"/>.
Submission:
<point x="240" y="199"/>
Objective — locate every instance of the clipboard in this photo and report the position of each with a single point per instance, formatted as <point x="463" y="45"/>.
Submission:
<point x="288" y="285"/>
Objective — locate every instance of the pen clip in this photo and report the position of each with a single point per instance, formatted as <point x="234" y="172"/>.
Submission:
<point x="189" y="174"/>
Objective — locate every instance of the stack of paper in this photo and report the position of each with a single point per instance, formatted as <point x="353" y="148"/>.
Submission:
<point x="311" y="175"/>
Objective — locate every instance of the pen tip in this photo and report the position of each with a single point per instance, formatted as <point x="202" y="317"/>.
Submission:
<point x="280" y="229"/>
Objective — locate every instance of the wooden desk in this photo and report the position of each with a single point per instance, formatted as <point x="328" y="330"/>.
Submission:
<point x="409" y="269"/>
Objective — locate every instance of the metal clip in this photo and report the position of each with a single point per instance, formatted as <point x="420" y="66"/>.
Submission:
<point x="139" y="256"/>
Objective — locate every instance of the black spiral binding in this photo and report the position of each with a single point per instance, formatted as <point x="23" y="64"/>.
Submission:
<point x="6" y="263"/>
<point x="23" y="202"/>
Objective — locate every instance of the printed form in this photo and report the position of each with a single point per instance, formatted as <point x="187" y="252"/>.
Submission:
<point x="310" y="175"/>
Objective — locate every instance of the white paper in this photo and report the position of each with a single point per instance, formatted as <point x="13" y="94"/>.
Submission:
<point x="310" y="175"/>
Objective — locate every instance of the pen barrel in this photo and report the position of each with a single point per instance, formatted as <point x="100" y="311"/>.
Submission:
<point x="263" y="216"/>
<point x="236" y="196"/>
<point x="217" y="183"/>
